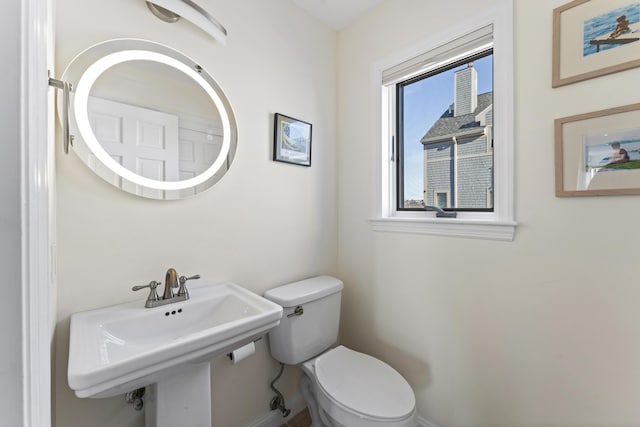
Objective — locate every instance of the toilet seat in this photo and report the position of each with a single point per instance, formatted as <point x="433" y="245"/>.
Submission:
<point x="363" y="386"/>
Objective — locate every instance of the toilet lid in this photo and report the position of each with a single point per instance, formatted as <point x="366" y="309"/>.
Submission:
<point x="364" y="384"/>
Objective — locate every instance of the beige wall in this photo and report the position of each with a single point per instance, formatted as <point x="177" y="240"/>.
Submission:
<point x="264" y="224"/>
<point x="542" y="331"/>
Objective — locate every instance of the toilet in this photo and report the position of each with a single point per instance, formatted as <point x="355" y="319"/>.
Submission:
<point x="342" y="387"/>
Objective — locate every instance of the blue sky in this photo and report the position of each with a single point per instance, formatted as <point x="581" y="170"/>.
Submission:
<point x="424" y="103"/>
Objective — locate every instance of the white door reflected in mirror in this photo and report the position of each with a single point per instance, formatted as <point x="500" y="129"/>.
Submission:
<point x="149" y="120"/>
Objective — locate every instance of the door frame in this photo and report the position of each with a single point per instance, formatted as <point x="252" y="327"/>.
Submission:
<point x="36" y="176"/>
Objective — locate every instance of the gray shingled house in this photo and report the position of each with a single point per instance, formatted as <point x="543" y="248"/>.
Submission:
<point x="458" y="149"/>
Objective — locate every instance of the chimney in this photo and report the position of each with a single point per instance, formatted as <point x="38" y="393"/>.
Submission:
<point x="465" y="91"/>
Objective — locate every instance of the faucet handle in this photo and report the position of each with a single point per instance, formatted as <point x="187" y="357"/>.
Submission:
<point x="153" y="295"/>
<point x="183" y="288"/>
<point x="183" y="279"/>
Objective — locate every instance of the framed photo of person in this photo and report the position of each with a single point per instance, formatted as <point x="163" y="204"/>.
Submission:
<point x="292" y="140"/>
<point x="598" y="153"/>
<point x="592" y="38"/>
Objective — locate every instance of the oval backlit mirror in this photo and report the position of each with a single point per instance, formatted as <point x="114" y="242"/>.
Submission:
<point x="149" y="120"/>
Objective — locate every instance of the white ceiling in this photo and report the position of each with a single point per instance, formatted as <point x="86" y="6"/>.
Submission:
<point x="338" y="14"/>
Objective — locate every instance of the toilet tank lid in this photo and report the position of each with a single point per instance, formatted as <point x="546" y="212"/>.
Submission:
<point x="303" y="291"/>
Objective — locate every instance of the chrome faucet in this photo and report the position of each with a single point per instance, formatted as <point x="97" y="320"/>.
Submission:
<point x="171" y="281"/>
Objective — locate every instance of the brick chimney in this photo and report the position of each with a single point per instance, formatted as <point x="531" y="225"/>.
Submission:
<point x="465" y="91"/>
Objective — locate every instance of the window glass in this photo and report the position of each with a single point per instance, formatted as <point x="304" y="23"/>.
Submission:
<point x="442" y="200"/>
<point x="445" y="137"/>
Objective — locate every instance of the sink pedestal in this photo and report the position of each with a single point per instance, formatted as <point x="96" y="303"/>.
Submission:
<point x="183" y="399"/>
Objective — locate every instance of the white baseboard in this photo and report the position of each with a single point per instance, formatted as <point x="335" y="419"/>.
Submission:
<point x="275" y="419"/>
<point x="424" y="423"/>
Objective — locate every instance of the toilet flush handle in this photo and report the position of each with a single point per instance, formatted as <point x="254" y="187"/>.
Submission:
<point x="299" y="311"/>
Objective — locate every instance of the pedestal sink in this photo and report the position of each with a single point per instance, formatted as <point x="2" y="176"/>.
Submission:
<point x="124" y="347"/>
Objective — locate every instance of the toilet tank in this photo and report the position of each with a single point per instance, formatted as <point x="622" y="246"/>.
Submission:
<point x="310" y="319"/>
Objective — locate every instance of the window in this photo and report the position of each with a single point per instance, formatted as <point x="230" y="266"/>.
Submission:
<point x="441" y="199"/>
<point x="444" y="139"/>
<point x="438" y="144"/>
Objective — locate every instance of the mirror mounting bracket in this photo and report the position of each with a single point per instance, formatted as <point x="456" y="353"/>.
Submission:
<point x="66" y="88"/>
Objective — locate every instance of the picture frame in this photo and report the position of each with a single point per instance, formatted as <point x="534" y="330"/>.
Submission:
<point x="593" y="38"/>
<point x="598" y="153"/>
<point x="291" y="140"/>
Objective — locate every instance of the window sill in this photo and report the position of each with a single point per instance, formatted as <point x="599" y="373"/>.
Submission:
<point x="478" y="229"/>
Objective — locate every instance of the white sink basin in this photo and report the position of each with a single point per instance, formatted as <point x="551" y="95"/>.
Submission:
<point x="120" y="348"/>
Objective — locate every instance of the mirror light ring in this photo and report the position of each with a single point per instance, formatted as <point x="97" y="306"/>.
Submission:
<point x="81" y="99"/>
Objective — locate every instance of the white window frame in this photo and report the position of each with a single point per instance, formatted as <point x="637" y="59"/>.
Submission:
<point x="497" y="225"/>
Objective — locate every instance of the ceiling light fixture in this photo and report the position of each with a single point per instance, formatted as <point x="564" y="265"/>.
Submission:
<point x="172" y="10"/>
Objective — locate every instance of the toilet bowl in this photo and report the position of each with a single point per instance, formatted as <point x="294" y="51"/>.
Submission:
<point x="353" y="389"/>
<point x="342" y="387"/>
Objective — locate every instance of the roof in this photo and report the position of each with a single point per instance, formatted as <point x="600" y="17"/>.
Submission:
<point x="448" y="126"/>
